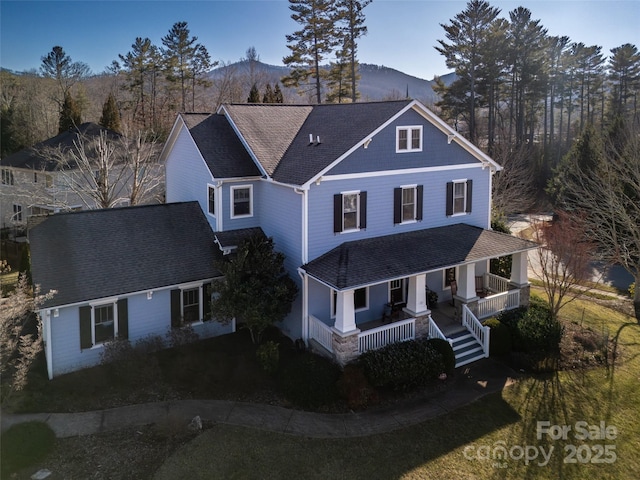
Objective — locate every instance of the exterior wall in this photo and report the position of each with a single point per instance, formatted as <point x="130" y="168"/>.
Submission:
<point x="187" y="175"/>
<point x="226" y="205"/>
<point x="146" y="317"/>
<point x="380" y="205"/>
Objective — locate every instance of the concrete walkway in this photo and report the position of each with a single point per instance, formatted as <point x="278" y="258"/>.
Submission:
<point x="471" y="383"/>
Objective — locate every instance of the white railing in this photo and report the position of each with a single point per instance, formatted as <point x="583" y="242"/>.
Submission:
<point x="489" y="306"/>
<point x="494" y="283"/>
<point x="478" y="331"/>
<point x="434" y="331"/>
<point x="321" y="333"/>
<point x="387" y="334"/>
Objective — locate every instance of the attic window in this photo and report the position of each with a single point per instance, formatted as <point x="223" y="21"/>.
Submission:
<point x="409" y="139"/>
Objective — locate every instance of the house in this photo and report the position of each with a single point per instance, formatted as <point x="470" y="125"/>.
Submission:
<point x="123" y="273"/>
<point x="373" y="204"/>
<point x="33" y="182"/>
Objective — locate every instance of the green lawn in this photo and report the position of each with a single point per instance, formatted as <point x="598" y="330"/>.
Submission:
<point x="458" y="444"/>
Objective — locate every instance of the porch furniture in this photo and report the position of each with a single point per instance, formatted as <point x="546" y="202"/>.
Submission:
<point x="454" y="292"/>
<point x="392" y="311"/>
<point x="480" y="290"/>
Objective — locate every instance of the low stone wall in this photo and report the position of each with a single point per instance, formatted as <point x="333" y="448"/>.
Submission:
<point x="345" y="348"/>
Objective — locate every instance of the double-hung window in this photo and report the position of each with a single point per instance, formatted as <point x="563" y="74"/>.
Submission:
<point x="191" y="305"/>
<point x="242" y="201"/>
<point x="409" y="139"/>
<point x="17" y="212"/>
<point x="349" y="211"/>
<point x="7" y="176"/>
<point x="407" y="204"/>
<point x="103" y="322"/>
<point x="459" y="197"/>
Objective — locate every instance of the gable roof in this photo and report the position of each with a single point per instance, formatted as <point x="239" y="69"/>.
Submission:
<point x="95" y="254"/>
<point x="374" y="260"/>
<point x="220" y="147"/>
<point x="34" y="158"/>
<point x="230" y="239"/>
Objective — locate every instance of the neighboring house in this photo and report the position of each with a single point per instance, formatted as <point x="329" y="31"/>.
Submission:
<point x="122" y="273"/>
<point x="32" y="182"/>
<point x="373" y="204"/>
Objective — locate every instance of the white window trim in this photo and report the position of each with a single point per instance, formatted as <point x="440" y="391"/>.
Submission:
<point x="453" y="199"/>
<point x="103" y="303"/>
<point x="333" y="293"/>
<point x="18" y="213"/>
<point x="357" y="229"/>
<point x="403" y="287"/>
<point x="192" y="286"/>
<point x="415" y="204"/>
<point x="409" y="129"/>
<point x="232" y="204"/>
<point x="215" y="200"/>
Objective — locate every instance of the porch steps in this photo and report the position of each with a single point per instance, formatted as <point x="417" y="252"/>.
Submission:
<point x="465" y="348"/>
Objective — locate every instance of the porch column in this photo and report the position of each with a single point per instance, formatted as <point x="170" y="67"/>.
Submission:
<point x="519" y="269"/>
<point x="467" y="282"/>
<point x="417" y="295"/>
<point x="345" y="313"/>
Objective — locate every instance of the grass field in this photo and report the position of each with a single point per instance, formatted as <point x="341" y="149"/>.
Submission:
<point x="465" y="444"/>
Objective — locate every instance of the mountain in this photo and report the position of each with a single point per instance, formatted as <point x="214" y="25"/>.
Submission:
<point x="376" y="82"/>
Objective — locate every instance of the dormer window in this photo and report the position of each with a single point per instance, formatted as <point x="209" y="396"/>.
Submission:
<point x="409" y="139"/>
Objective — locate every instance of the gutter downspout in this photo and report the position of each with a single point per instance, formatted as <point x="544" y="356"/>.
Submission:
<point x="305" y="305"/>
<point x="45" y="318"/>
<point x="305" y="258"/>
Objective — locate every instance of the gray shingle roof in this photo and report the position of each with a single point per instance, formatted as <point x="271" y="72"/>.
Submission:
<point x="374" y="260"/>
<point x="220" y="147"/>
<point x="35" y="158"/>
<point x="101" y="253"/>
<point x="230" y="239"/>
<point x="268" y="129"/>
<point x="279" y="134"/>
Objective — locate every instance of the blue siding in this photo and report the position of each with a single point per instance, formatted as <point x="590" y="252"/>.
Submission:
<point x="380" y="205"/>
<point x="381" y="153"/>
<point x="187" y="175"/>
<point x="229" y="223"/>
<point x="146" y="317"/>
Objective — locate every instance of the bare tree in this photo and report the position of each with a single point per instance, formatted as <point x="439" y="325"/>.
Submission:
<point x="562" y="260"/>
<point x="140" y="155"/>
<point x="20" y="333"/>
<point x="513" y="187"/>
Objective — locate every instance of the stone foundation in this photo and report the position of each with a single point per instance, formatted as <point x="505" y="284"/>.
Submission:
<point x="345" y="348"/>
<point x="422" y="326"/>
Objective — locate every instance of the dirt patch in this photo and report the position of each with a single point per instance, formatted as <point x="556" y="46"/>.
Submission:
<point x="582" y="347"/>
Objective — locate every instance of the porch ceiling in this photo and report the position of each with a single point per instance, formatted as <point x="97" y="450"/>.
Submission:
<point x="374" y="260"/>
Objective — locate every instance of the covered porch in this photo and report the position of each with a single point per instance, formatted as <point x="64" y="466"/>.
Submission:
<point x="389" y="309"/>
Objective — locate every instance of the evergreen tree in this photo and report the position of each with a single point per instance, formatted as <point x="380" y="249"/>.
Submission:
<point x="59" y="66"/>
<point x="310" y="45"/>
<point x="70" y="115"/>
<point x="254" y="95"/>
<point x="349" y="13"/>
<point x="200" y="65"/>
<point x="179" y="55"/>
<point x="141" y="67"/>
<point x="624" y="78"/>
<point x="339" y="79"/>
<point x="110" y="115"/>
<point x="269" y="96"/>
<point x="278" y="97"/>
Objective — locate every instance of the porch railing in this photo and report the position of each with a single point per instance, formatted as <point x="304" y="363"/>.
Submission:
<point x="387" y="334"/>
<point x="321" y="333"/>
<point x="499" y="302"/>
<point x="494" y="283"/>
<point x="478" y="331"/>
<point x="435" y="332"/>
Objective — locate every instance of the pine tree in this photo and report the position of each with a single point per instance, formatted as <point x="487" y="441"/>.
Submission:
<point x="70" y="115"/>
<point x="311" y="44"/>
<point x="278" y="97"/>
<point x="254" y="95"/>
<point x="141" y="67"/>
<point x="269" y="96"/>
<point x="349" y="12"/>
<point x="59" y="66"/>
<point x="110" y="115"/>
<point x="179" y="55"/>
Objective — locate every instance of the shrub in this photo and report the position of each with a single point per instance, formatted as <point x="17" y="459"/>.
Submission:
<point x="133" y="365"/>
<point x="355" y="389"/>
<point x="178" y="337"/>
<point x="445" y="349"/>
<point x="268" y="356"/>
<point x="309" y="381"/>
<point x="402" y="366"/>
<point x="25" y="444"/>
<point x="499" y="337"/>
<point x="538" y="331"/>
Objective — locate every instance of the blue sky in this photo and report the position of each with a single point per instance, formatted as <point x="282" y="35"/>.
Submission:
<point x="402" y="33"/>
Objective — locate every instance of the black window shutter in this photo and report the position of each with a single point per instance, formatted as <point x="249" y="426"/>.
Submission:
<point x="363" y="210"/>
<point x="469" y="189"/>
<point x="206" y="299"/>
<point x="449" y="199"/>
<point x="419" y="195"/>
<point x="85" y="327"/>
<point x="175" y="308"/>
<point x="337" y="213"/>
<point x="397" y="205"/>
<point x="123" y="319"/>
